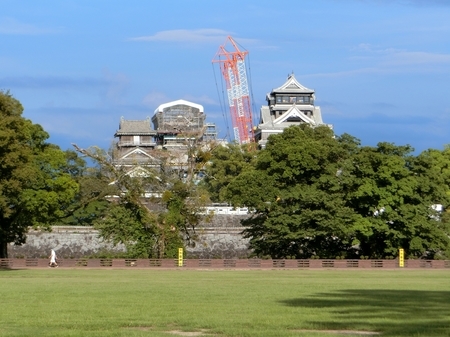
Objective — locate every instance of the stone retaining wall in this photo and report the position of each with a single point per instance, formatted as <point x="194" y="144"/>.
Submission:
<point x="220" y="238"/>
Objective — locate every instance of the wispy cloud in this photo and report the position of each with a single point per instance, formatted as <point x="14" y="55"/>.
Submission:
<point x="207" y="35"/>
<point x="398" y="57"/>
<point x="204" y="99"/>
<point x="51" y="82"/>
<point x="378" y="60"/>
<point x="154" y="99"/>
<point x="415" y="58"/>
<point x="111" y="82"/>
<point x="83" y="122"/>
<point x="345" y="73"/>
<point x="185" y="35"/>
<point x="382" y="106"/>
<point x="10" y="26"/>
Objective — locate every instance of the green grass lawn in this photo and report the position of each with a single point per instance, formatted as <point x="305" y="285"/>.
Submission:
<point x="94" y="302"/>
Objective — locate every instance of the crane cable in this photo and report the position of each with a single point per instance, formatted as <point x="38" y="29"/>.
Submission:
<point x="222" y="103"/>
<point x="254" y="114"/>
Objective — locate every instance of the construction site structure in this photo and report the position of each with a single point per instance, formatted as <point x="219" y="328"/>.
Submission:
<point x="233" y="69"/>
<point x="177" y="125"/>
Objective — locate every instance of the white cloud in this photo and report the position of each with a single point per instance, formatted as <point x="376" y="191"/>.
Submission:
<point x="53" y="82"/>
<point x="185" y="35"/>
<point x="374" y="49"/>
<point x="395" y="56"/>
<point x="207" y="35"/>
<point x="155" y="99"/>
<point x="204" y="99"/>
<point x="415" y="58"/>
<point x="10" y="26"/>
<point x="352" y="72"/>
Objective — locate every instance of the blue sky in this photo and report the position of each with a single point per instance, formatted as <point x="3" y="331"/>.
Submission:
<point x="380" y="68"/>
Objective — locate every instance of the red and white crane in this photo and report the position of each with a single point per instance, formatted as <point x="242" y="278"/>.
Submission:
<point x="232" y="66"/>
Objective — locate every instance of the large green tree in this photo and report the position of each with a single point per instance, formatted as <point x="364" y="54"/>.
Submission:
<point x="314" y="194"/>
<point x="296" y="196"/>
<point x="34" y="188"/>
<point x="391" y="190"/>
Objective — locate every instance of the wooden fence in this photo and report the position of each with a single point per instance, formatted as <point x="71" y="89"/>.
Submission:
<point x="221" y="263"/>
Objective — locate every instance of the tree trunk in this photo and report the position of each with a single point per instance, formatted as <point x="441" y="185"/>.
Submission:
<point x="3" y="250"/>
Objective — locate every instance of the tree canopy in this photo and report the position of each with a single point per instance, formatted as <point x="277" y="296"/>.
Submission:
<point x="315" y="194"/>
<point x="34" y="188"/>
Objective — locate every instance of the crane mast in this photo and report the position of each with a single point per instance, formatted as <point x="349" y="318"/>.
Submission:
<point x="232" y="66"/>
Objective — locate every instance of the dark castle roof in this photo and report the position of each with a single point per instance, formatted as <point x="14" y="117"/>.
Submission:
<point x="135" y="127"/>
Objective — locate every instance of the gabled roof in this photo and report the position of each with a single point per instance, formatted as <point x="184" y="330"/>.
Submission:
<point x="294" y="113"/>
<point x="137" y="153"/>
<point x="268" y="120"/>
<point x="139" y="171"/>
<point x="177" y="102"/>
<point x="135" y="127"/>
<point x="292" y="86"/>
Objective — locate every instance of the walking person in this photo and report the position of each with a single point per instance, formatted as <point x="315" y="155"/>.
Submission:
<point x="53" y="259"/>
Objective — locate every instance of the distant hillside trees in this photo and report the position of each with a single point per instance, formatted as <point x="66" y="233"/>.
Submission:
<point x="317" y="195"/>
<point x="35" y="190"/>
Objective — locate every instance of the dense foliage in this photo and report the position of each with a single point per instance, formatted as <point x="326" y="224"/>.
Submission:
<point x="314" y="194"/>
<point x="90" y="203"/>
<point x="35" y="189"/>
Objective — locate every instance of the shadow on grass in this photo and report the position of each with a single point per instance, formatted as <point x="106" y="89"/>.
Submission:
<point x="391" y="312"/>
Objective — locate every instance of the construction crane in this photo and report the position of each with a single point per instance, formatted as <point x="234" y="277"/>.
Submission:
<point x="232" y="66"/>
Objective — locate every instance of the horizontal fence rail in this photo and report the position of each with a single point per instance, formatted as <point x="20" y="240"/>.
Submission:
<point x="221" y="263"/>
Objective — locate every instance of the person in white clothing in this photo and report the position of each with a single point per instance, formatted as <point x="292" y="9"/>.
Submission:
<point x="53" y="259"/>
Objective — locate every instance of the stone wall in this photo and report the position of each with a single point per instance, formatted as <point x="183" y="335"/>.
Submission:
<point x="67" y="241"/>
<point x="220" y="238"/>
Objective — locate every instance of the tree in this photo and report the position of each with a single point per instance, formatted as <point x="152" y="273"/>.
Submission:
<point x="90" y="202"/>
<point x="225" y="163"/>
<point x="432" y="169"/>
<point x="153" y="211"/>
<point x="34" y="189"/>
<point x="295" y="195"/>
<point x="391" y="190"/>
<point x="314" y="194"/>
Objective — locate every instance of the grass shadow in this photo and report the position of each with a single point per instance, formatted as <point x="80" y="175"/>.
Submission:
<point x="391" y="312"/>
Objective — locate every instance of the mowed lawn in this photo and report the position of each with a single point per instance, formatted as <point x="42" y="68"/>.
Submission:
<point x="143" y="302"/>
